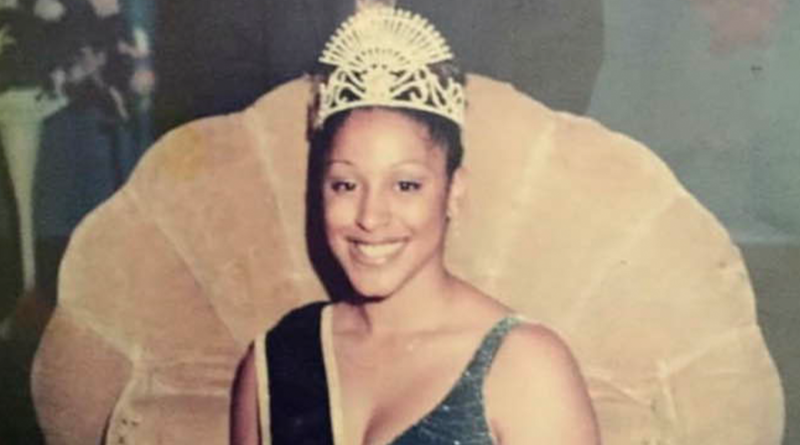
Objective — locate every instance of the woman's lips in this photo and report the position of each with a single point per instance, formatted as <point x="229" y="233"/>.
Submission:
<point x="375" y="254"/>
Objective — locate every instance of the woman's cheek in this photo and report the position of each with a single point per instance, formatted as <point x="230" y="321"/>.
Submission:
<point x="424" y="211"/>
<point x="338" y="212"/>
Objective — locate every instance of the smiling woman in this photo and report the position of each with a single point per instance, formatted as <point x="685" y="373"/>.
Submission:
<point x="407" y="353"/>
<point x="386" y="194"/>
<point x="164" y="287"/>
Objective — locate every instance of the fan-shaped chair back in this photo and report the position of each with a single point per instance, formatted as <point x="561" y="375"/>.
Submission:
<point x="164" y="286"/>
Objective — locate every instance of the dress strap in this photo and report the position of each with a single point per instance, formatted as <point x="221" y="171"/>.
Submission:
<point x="484" y="355"/>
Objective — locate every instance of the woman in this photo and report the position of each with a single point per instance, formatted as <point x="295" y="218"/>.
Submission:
<point x="408" y="353"/>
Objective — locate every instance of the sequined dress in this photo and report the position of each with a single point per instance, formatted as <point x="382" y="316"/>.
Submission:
<point x="296" y="398"/>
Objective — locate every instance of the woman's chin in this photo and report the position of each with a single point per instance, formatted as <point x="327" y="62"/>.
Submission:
<point x="371" y="293"/>
<point x="376" y="290"/>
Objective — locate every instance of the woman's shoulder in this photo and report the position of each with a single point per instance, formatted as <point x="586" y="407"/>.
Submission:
<point x="526" y="339"/>
<point x="535" y="390"/>
<point x="531" y="344"/>
<point x="525" y="342"/>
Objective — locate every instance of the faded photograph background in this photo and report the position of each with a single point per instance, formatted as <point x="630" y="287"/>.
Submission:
<point x="709" y="85"/>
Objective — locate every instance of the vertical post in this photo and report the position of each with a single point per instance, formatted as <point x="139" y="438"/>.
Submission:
<point x="21" y="143"/>
<point x="22" y="112"/>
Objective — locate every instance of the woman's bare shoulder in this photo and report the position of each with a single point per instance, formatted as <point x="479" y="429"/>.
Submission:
<point x="533" y="344"/>
<point x="535" y="392"/>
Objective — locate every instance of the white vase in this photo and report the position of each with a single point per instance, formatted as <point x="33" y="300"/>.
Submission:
<point x="22" y="112"/>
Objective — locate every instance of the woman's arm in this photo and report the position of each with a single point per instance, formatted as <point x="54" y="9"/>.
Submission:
<point x="536" y="394"/>
<point x="244" y="404"/>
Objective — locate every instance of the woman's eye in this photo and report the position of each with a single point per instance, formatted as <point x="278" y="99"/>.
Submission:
<point x="408" y="186"/>
<point x="343" y="186"/>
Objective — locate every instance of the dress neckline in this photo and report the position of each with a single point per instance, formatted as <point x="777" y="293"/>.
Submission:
<point x="334" y="388"/>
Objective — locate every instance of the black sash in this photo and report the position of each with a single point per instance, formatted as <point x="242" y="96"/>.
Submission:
<point x="298" y="387"/>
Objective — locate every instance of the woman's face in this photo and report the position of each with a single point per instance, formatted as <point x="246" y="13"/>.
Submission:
<point x="386" y="197"/>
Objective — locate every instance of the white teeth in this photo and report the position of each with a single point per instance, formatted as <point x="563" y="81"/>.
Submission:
<point x="378" y="251"/>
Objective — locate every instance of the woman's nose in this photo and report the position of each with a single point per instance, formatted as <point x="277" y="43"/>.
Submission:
<point x="373" y="212"/>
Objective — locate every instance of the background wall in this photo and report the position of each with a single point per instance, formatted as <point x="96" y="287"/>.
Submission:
<point x="711" y="86"/>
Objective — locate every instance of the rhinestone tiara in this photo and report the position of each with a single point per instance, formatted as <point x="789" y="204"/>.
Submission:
<point x="381" y="57"/>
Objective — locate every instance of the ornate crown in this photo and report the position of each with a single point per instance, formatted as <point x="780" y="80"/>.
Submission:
<point x="381" y="57"/>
